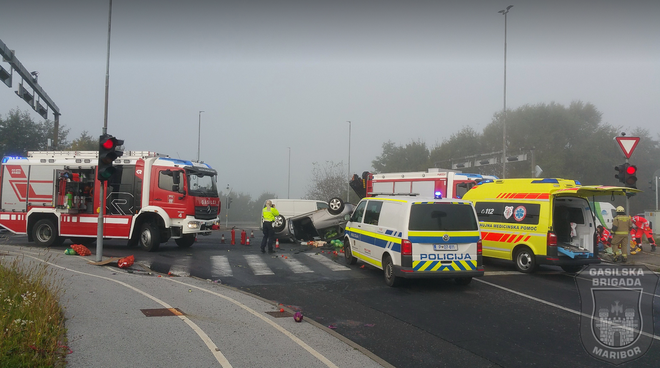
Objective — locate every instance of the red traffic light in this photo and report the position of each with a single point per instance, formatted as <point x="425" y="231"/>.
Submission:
<point x="109" y="143"/>
<point x="631" y="170"/>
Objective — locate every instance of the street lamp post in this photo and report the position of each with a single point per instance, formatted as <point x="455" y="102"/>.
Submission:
<point x="505" y="12"/>
<point x="288" y="184"/>
<point x="199" y="134"/>
<point x="348" y="187"/>
<point x="227" y="213"/>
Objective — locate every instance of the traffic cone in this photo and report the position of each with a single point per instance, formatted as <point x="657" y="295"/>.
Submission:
<point x="222" y="240"/>
<point x="277" y="243"/>
<point x="251" y="233"/>
<point x="247" y="241"/>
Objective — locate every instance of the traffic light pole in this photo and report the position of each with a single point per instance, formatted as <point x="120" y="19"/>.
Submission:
<point x="628" y="212"/>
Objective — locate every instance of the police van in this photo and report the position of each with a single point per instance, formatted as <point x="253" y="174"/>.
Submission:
<point x="540" y="221"/>
<point x="413" y="237"/>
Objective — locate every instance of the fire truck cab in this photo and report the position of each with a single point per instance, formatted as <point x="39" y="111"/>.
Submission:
<point x="53" y="195"/>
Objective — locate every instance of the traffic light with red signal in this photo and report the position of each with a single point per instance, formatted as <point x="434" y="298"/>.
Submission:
<point x="631" y="176"/>
<point x="109" y="151"/>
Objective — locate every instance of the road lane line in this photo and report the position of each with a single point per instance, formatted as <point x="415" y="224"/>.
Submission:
<point x="284" y="331"/>
<point x="296" y="266"/>
<point x="207" y="340"/>
<point x="332" y="265"/>
<point x="257" y="265"/>
<point x="220" y="266"/>
<point x="551" y="304"/>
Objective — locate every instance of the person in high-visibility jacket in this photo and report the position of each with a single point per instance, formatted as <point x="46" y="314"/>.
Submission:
<point x="621" y="226"/>
<point x="269" y="213"/>
<point x="640" y="228"/>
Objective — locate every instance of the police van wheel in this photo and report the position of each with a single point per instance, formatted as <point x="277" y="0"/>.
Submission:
<point x="463" y="280"/>
<point x="348" y="253"/>
<point x="388" y="270"/>
<point x="335" y="205"/>
<point x="525" y="260"/>
<point x="149" y="237"/>
<point x="44" y="233"/>
<point x="572" y="269"/>
<point x="279" y="223"/>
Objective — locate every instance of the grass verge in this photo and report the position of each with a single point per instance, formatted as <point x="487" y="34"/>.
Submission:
<point x="32" y="332"/>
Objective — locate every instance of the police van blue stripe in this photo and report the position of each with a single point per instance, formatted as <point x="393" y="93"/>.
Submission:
<point x="439" y="240"/>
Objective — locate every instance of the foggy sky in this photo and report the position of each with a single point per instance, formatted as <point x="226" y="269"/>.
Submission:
<point x="270" y="75"/>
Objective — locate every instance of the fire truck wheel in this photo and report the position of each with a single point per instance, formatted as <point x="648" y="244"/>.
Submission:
<point x="525" y="260"/>
<point x="348" y="254"/>
<point x="186" y="241"/>
<point x="336" y="205"/>
<point x="279" y="224"/>
<point x="149" y="237"/>
<point x="44" y="233"/>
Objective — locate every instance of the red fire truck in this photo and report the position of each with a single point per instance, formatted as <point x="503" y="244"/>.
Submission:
<point x="50" y="196"/>
<point x="436" y="183"/>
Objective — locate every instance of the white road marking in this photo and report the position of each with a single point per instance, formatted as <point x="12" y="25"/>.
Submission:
<point x="281" y="329"/>
<point x="295" y="265"/>
<point x="334" y="266"/>
<point x="220" y="266"/>
<point x="257" y="265"/>
<point x="551" y="304"/>
<point x="182" y="269"/>
<point x="207" y="340"/>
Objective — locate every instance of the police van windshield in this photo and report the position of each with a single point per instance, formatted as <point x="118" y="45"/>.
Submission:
<point x="442" y="217"/>
<point x="201" y="184"/>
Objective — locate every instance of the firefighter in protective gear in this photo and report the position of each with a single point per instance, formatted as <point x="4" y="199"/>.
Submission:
<point x="621" y="226"/>
<point x="641" y="227"/>
<point x="605" y="241"/>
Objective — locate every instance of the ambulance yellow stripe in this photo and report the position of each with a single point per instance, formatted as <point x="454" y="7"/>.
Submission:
<point x="439" y="234"/>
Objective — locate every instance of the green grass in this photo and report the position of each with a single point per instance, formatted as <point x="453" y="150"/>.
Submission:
<point x="32" y="332"/>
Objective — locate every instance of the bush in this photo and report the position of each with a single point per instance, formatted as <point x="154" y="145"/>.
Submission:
<point x="32" y="332"/>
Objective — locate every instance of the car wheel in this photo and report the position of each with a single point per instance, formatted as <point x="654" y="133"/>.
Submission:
<point x="44" y="233"/>
<point x="525" y="260"/>
<point x="335" y="205"/>
<point x="463" y="280"/>
<point x="149" y="237"/>
<point x="279" y="223"/>
<point x="572" y="268"/>
<point x="348" y="253"/>
<point x="185" y="241"/>
<point x="388" y="271"/>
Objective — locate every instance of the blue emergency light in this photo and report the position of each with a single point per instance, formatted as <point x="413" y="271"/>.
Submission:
<point x="437" y="195"/>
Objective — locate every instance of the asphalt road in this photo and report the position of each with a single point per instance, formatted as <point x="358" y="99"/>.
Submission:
<point x="504" y="319"/>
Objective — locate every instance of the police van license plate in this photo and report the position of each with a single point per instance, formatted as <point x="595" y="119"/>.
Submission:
<point x="445" y="246"/>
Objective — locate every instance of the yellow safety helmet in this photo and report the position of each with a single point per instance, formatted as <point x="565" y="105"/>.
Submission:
<point x="620" y="209"/>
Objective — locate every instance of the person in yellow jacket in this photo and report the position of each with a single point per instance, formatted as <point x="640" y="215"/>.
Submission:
<point x="269" y="213"/>
<point x="621" y="226"/>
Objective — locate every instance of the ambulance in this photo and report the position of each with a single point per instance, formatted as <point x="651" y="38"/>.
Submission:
<point x="540" y="221"/>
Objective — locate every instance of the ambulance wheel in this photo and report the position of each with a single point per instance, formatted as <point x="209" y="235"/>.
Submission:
<point x="525" y="260"/>
<point x="44" y="233"/>
<point x="186" y="241"/>
<point x="335" y="205"/>
<point x="149" y="237"/>
<point x="572" y="269"/>
<point x="463" y="280"/>
<point x="279" y="223"/>
<point x="348" y="253"/>
<point x="388" y="270"/>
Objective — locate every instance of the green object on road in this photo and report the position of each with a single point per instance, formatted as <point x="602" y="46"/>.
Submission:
<point x="70" y="251"/>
